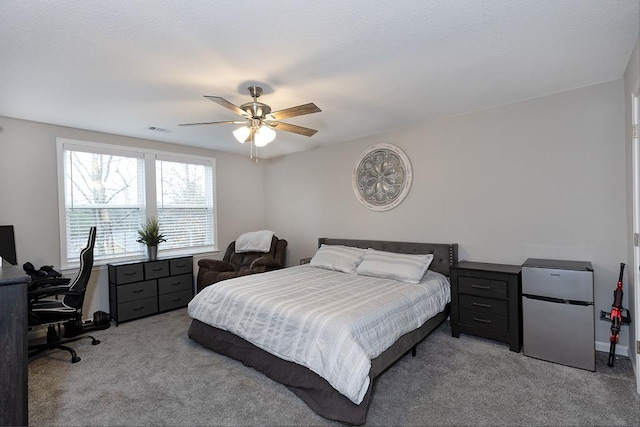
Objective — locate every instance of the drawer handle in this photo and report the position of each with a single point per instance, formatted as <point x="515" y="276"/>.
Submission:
<point x="483" y="287"/>
<point x="176" y="300"/>
<point x="181" y="265"/>
<point x="479" y="304"/>
<point x="138" y="309"/>
<point x="137" y="291"/>
<point x="176" y="283"/>
<point x="477" y="319"/>
<point x="133" y="273"/>
<point x="157" y="269"/>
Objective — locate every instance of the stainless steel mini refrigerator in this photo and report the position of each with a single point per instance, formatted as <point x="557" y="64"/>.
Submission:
<point x="558" y="312"/>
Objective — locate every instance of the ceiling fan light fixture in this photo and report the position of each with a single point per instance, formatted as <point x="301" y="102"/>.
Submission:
<point x="259" y="120"/>
<point x="264" y="135"/>
<point x="241" y="134"/>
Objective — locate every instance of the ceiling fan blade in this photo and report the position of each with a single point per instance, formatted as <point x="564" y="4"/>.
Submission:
<point x="227" y="104"/>
<point x="214" y="123"/>
<point x="293" y="128"/>
<point x="300" y="110"/>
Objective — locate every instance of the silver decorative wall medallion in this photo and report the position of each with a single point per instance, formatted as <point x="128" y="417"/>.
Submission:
<point x="382" y="177"/>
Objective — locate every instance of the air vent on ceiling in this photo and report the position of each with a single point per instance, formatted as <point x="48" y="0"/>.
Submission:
<point x="158" y="129"/>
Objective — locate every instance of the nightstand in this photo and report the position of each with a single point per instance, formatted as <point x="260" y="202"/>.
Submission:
<point x="486" y="301"/>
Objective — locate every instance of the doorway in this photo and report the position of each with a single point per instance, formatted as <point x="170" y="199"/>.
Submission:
<point x="635" y="150"/>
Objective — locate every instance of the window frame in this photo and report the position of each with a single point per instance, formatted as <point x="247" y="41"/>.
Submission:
<point x="149" y="157"/>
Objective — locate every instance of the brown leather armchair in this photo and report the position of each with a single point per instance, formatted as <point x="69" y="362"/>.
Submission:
<point x="240" y="264"/>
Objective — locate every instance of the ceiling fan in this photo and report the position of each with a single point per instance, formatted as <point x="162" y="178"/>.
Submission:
<point x="259" y="120"/>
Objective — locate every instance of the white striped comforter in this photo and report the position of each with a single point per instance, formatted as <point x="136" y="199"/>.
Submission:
<point x="333" y="323"/>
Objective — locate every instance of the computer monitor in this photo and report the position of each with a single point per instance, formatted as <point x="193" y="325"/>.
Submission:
<point x="8" y="244"/>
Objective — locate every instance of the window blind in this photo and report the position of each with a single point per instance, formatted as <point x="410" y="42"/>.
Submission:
<point x="105" y="190"/>
<point x="185" y="203"/>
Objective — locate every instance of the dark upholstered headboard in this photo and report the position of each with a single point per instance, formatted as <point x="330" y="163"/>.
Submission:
<point x="444" y="254"/>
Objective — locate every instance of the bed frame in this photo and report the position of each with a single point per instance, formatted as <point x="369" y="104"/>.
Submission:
<point x="314" y="390"/>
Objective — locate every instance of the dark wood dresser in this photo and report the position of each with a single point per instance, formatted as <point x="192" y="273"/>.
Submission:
<point x="14" y="410"/>
<point x="486" y="301"/>
<point x="139" y="289"/>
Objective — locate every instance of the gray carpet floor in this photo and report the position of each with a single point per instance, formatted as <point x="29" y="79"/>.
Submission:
<point x="148" y="372"/>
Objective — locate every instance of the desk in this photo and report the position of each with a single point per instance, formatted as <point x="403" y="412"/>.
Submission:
<point x="14" y="409"/>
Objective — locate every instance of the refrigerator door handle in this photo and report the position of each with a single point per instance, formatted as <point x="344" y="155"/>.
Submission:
<point x="557" y="300"/>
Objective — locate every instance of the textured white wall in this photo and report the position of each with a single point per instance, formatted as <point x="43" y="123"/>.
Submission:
<point x="29" y="194"/>
<point x="543" y="178"/>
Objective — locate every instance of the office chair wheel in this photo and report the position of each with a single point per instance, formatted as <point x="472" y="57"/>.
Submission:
<point x="95" y="341"/>
<point x="75" y="359"/>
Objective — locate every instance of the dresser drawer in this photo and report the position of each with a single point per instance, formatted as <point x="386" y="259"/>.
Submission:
<point x="138" y="290"/>
<point x="483" y="305"/>
<point x="175" y="283"/>
<point x="482" y="287"/>
<point x="156" y="269"/>
<point x="484" y="324"/>
<point x="181" y="266"/>
<point x="174" y="300"/>
<point x="127" y="273"/>
<point x="139" y="308"/>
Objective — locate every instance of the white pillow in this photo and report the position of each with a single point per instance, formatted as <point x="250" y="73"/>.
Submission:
<point x="338" y="258"/>
<point x="391" y="265"/>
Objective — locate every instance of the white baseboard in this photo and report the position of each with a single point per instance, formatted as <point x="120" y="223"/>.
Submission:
<point x="621" y="350"/>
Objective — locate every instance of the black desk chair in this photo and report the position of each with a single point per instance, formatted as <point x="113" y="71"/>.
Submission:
<point x="45" y="308"/>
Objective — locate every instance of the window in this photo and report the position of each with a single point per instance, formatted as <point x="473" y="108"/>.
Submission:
<point x="116" y="189"/>
<point x="185" y="203"/>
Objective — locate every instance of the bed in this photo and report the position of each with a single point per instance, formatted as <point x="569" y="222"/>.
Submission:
<point x="333" y="388"/>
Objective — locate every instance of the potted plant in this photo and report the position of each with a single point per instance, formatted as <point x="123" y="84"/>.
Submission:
<point x="150" y="235"/>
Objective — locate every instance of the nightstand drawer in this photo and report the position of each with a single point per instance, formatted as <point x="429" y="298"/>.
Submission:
<point x="156" y="269"/>
<point x="174" y="284"/>
<point x="482" y="287"/>
<point x="483" y="305"/>
<point x="174" y="300"/>
<point x="138" y="308"/>
<point x="484" y="324"/>
<point x="136" y="291"/>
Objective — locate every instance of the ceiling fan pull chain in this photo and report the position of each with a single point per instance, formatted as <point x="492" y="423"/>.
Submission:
<point x="252" y="146"/>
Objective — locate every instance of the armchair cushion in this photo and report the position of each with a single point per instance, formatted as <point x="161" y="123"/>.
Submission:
<point x="236" y="264"/>
<point x="264" y="263"/>
<point x="215" y="264"/>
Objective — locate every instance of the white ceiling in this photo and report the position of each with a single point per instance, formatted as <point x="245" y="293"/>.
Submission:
<point x="120" y="66"/>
